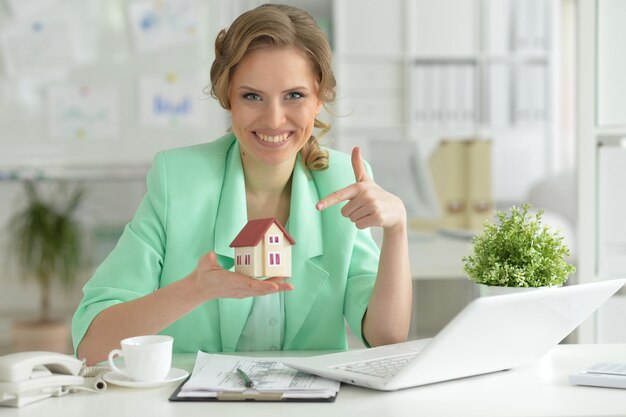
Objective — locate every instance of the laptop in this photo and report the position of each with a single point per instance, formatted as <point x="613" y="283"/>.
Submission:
<point x="490" y="334"/>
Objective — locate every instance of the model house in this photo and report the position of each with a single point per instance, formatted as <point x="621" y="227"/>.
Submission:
<point x="263" y="249"/>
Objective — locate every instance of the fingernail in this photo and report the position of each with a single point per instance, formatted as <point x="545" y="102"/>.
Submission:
<point x="319" y="206"/>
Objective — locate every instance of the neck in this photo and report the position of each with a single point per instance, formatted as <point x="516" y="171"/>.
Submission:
<point x="264" y="179"/>
<point x="268" y="190"/>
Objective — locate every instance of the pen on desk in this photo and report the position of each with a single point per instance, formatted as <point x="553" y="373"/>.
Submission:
<point x="245" y="378"/>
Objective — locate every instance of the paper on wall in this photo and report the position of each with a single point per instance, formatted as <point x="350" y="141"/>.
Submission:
<point x="39" y="49"/>
<point x="170" y="101"/>
<point x="162" y="24"/>
<point x="21" y="8"/>
<point x="83" y="112"/>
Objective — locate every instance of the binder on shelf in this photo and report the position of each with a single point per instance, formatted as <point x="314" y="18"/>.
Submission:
<point x="448" y="165"/>
<point x="455" y="83"/>
<point x="530" y="95"/>
<point x="419" y="86"/>
<point x="461" y="172"/>
<point x="449" y="93"/>
<point x="522" y="24"/>
<point x="499" y="97"/>
<point x="531" y="26"/>
<point x="540" y="32"/>
<point x="444" y="95"/>
<point x="479" y="188"/>
<point x="445" y="105"/>
<point x="429" y="92"/>
<point x="538" y="92"/>
<point x="523" y="86"/>
<point x="469" y="97"/>
<point x="498" y="27"/>
<point x="435" y="97"/>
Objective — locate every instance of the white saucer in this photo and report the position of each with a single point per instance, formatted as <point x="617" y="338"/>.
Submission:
<point x="117" y="378"/>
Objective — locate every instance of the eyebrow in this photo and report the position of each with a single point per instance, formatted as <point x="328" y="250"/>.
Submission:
<point x="245" y="87"/>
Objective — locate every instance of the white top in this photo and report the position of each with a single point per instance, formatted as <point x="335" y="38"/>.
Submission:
<point x="265" y="328"/>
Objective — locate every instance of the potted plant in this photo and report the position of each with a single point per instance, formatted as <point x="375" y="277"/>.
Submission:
<point x="45" y="239"/>
<point x="520" y="251"/>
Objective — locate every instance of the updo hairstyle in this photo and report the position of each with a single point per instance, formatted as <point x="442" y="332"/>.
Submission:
<point x="274" y="25"/>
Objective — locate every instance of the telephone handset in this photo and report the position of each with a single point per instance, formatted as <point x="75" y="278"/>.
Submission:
<point x="26" y="377"/>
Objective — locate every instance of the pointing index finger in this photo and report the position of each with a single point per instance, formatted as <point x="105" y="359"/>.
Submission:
<point x="349" y="192"/>
<point x="360" y="174"/>
<point x="338" y="196"/>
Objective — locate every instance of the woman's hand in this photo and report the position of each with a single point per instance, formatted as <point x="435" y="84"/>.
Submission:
<point x="369" y="205"/>
<point x="216" y="282"/>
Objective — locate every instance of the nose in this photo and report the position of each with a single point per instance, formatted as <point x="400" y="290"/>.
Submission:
<point x="275" y="114"/>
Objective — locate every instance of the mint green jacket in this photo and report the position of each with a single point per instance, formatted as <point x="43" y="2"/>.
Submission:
<point x="195" y="203"/>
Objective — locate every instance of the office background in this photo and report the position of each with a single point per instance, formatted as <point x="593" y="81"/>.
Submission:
<point x="90" y="90"/>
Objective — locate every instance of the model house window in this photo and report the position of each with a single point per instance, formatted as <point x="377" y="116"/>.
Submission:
<point x="247" y="259"/>
<point x="274" y="258"/>
<point x="238" y="259"/>
<point x="274" y="239"/>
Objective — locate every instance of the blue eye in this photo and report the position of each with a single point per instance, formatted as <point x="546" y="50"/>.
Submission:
<point x="295" y="95"/>
<point x="251" y="96"/>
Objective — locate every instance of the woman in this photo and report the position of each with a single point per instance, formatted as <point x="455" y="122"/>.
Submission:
<point x="169" y="272"/>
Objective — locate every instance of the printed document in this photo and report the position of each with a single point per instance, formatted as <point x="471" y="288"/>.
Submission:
<point x="214" y="373"/>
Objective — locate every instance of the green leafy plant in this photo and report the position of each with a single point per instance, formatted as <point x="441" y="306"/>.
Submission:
<point x="46" y="241"/>
<point x="519" y="251"/>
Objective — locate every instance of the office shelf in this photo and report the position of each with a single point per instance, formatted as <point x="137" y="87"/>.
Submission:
<point x="450" y="69"/>
<point x="601" y="133"/>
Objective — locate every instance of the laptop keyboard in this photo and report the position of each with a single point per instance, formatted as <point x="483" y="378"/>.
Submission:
<point x="382" y="367"/>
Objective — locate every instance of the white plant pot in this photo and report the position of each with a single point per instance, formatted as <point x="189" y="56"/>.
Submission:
<point x="488" y="290"/>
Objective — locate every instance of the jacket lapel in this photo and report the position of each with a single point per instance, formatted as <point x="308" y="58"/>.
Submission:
<point x="231" y="217"/>
<point x="232" y="214"/>
<point x="305" y="226"/>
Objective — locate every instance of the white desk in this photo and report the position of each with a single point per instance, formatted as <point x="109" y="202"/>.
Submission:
<point x="538" y="390"/>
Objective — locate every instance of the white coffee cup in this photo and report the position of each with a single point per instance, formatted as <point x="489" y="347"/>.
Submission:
<point x="147" y="358"/>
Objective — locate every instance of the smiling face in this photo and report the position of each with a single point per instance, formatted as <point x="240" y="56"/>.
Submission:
<point x="274" y="100"/>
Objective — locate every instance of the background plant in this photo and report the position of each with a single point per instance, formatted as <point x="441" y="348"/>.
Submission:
<point x="519" y="251"/>
<point x="46" y="240"/>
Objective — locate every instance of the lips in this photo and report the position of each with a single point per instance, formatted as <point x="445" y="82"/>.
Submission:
<point x="273" y="138"/>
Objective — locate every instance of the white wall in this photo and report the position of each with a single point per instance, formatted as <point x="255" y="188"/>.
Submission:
<point x="104" y="54"/>
<point x="110" y="57"/>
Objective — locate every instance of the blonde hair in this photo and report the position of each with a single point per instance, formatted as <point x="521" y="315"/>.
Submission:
<point x="277" y="25"/>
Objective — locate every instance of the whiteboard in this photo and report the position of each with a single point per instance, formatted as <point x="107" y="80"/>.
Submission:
<point x="106" y="82"/>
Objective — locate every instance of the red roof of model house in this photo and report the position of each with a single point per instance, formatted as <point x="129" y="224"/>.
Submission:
<point x="253" y="232"/>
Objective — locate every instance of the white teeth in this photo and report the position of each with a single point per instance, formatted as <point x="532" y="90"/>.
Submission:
<point x="273" y="139"/>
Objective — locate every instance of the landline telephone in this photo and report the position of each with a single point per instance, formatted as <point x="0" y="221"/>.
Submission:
<point x="26" y="377"/>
